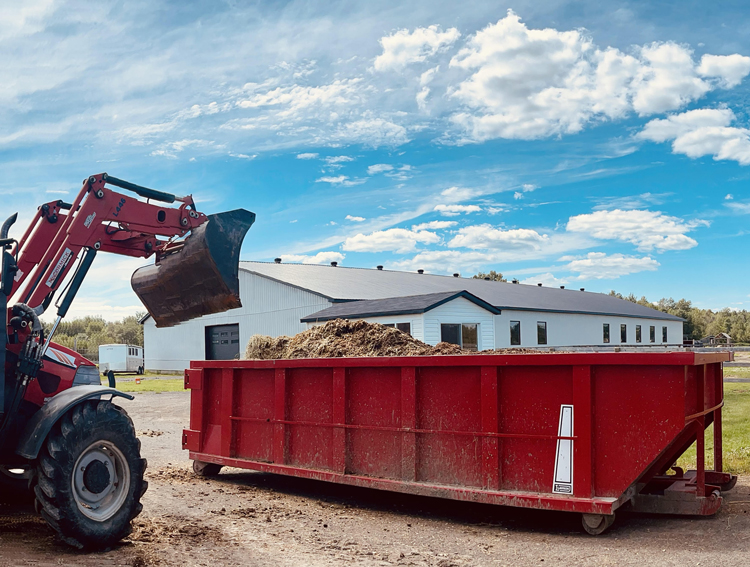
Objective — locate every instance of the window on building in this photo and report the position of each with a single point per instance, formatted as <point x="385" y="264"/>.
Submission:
<point x="652" y="334"/>
<point x="605" y="333"/>
<point x="465" y="335"/>
<point x="664" y="334"/>
<point x="515" y="333"/>
<point x="450" y="333"/>
<point x="623" y="333"/>
<point x="541" y="332"/>
<point x="404" y="327"/>
<point x="470" y="336"/>
<point x="637" y="333"/>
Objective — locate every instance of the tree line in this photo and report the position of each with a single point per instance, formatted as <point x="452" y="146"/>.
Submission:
<point x="85" y="334"/>
<point x="700" y="323"/>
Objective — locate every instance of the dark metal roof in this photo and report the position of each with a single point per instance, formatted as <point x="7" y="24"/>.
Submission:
<point x="394" y="306"/>
<point x="349" y="284"/>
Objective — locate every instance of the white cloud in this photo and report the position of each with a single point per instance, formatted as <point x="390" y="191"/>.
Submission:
<point x="730" y="69"/>
<point x="434" y="225"/>
<point x="355" y="219"/>
<point x="403" y="47"/>
<point x="518" y="195"/>
<point x="319" y="258"/>
<point x="372" y="132"/>
<point x="547" y="279"/>
<point x="533" y="83"/>
<point x="340" y="180"/>
<point x="333" y="180"/>
<point x="378" y="168"/>
<point x="292" y="100"/>
<point x="647" y="230"/>
<point x="599" y="266"/>
<point x="742" y="208"/>
<point x="486" y="236"/>
<point x="728" y="197"/>
<point x="243" y="156"/>
<point x="455" y="210"/>
<point x="457" y="194"/>
<point x="528" y="187"/>
<point x="330" y="160"/>
<point x="702" y="132"/>
<point x="398" y="240"/>
<point x="307" y="156"/>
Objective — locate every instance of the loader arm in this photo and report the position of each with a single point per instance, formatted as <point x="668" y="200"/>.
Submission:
<point x="101" y="219"/>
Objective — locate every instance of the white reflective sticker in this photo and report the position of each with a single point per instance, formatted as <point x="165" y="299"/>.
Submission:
<point x="563" y="481"/>
<point x="58" y="356"/>
<point x="59" y="266"/>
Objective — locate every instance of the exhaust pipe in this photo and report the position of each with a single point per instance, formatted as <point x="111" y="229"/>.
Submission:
<point x="199" y="279"/>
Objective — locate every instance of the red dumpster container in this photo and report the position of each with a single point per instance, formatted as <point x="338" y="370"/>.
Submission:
<point x="579" y="432"/>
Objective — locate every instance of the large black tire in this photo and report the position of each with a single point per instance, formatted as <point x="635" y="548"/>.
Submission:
<point x="76" y="491"/>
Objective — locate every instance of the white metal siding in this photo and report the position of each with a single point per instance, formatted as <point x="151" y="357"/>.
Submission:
<point x="460" y="310"/>
<point x="268" y="308"/>
<point x="566" y="329"/>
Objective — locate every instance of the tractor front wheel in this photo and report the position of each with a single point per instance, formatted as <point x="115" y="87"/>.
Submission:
<point x="90" y="475"/>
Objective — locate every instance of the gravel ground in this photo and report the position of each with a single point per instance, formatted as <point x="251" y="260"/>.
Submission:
<point x="245" y="518"/>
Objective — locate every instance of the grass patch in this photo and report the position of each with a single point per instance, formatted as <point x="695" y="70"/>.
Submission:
<point x="151" y="385"/>
<point x="736" y="432"/>
<point x="737" y="371"/>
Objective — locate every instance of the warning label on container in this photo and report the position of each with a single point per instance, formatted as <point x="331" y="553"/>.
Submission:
<point x="563" y="481"/>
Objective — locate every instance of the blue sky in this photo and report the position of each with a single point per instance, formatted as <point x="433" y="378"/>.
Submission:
<point x="575" y="144"/>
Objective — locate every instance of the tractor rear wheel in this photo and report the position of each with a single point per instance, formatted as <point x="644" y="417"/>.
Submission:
<point x="90" y="475"/>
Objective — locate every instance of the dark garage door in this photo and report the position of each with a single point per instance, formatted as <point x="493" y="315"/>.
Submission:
<point x="222" y="342"/>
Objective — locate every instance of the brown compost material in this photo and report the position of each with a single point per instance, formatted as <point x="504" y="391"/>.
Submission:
<point x="344" y="338"/>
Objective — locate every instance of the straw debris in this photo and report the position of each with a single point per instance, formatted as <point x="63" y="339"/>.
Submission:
<point x="344" y="338"/>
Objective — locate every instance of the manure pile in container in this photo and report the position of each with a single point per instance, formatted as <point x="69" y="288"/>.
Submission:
<point x="344" y="338"/>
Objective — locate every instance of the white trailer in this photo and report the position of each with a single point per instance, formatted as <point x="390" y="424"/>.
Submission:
<point x="120" y="358"/>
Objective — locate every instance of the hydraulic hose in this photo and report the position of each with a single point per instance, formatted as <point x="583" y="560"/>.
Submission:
<point x="22" y="308"/>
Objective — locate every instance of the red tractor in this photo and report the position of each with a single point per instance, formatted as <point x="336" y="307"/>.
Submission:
<point x="60" y="434"/>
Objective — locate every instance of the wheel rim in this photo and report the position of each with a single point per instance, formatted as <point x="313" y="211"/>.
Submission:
<point x="101" y="481"/>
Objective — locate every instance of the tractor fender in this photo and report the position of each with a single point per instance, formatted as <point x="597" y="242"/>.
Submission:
<point x="41" y="422"/>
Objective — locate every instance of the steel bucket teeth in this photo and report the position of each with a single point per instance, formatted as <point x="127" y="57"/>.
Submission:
<point x="199" y="279"/>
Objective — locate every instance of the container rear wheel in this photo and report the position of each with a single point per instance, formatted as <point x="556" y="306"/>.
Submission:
<point x="206" y="469"/>
<point x="90" y="475"/>
<point x="596" y="524"/>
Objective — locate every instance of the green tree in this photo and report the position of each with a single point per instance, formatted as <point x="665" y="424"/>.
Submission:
<point x="492" y="275"/>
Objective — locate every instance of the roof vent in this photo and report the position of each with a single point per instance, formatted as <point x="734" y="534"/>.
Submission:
<point x="583" y="289"/>
<point x="515" y="281"/>
<point x="277" y="260"/>
<point x="456" y="275"/>
<point x="540" y="285"/>
<point x="334" y="264"/>
<point x="420" y="271"/>
<point x="562" y="287"/>
<point x="379" y="267"/>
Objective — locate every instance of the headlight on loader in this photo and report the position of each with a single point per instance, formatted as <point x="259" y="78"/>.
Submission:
<point x="87" y="375"/>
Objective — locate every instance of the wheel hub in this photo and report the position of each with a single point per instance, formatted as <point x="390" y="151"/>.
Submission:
<point x="101" y="480"/>
<point x="96" y="477"/>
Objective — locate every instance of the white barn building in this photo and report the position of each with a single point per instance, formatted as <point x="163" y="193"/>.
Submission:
<point x="284" y="299"/>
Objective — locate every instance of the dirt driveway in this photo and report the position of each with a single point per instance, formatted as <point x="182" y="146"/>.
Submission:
<point x="244" y="518"/>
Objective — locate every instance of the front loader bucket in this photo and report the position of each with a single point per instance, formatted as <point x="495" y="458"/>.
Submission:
<point x="199" y="279"/>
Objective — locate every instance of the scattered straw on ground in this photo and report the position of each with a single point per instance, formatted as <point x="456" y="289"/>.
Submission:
<point x="169" y="528"/>
<point x="344" y="338"/>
